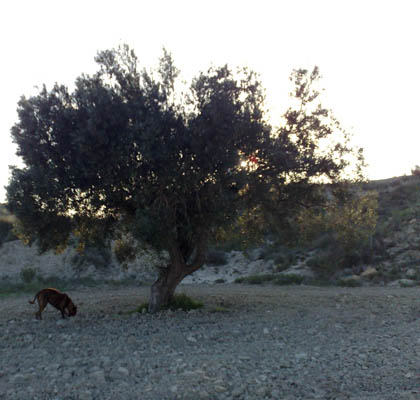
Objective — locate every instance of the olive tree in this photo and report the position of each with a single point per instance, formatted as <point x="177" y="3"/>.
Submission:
<point x="125" y="150"/>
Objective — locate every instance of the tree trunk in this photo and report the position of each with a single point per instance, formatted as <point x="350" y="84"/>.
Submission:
<point x="164" y="288"/>
<point x="169" y="278"/>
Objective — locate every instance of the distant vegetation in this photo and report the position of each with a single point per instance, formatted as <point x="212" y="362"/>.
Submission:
<point x="378" y="227"/>
<point x="416" y="170"/>
<point x="6" y="225"/>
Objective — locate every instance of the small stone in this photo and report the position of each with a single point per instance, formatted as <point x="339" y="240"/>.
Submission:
<point x="369" y="272"/>
<point x="203" y="395"/>
<point x="266" y="331"/>
<point x="411" y="273"/>
<point x="131" y="339"/>
<point x="18" y="379"/>
<point x="105" y="360"/>
<point x="98" y="375"/>
<point x="237" y="392"/>
<point x="407" y="282"/>
<point x="192" y="339"/>
<point x="301" y="356"/>
<point x="261" y="391"/>
<point x="123" y="371"/>
<point x="86" y="395"/>
<point x="28" y="338"/>
<point x="351" y="279"/>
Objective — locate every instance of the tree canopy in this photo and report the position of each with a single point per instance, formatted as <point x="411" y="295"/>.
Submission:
<point x="124" y="149"/>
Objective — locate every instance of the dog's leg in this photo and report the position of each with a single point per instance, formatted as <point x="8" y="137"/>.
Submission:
<point x="62" y="308"/>
<point x="42" y="304"/>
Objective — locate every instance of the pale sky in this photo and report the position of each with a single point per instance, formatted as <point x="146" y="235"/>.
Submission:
<point x="367" y="51"/>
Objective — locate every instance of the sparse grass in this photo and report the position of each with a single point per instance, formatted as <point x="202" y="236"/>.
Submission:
<point x="255" y="279"/>
<point x="53" y="281"/>
<point x="319" y="282"/>
<point x="185" y="303"/>
<point x="179" y="302"/>
<point x="349" y="283"/>
<point x="219" y="309"/>
<point x="288" y="280"/>
<point x="10" y="288"/>
<point x="123" y="282"/>
<point x="28" y="274"/>
<point x="142" y="308"/>
<point x="269" y="278"/>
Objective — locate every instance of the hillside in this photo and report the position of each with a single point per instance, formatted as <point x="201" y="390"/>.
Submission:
<point x="398" y="228"/>
<point x="393" y="257"/>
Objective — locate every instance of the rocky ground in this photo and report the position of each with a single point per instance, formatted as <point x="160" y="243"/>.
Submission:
<point x="249" y="342"/>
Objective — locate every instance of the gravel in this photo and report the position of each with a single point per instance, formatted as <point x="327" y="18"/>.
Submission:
<point x="249" y="342"/>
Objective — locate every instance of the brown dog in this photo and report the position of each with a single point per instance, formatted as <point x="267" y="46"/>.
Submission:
<point x="57" y="299"/>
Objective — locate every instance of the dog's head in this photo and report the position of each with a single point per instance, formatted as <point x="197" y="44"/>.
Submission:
<point x="72" y="309"/>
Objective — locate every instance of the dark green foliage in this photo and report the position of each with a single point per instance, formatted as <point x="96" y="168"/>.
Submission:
<point x="283" y="256"/>
<point x="99" y="257"/>
<point x="323" y="265"/>
<point x="216" y="258"/>
<point x="124" y="251"/>
<point x="335" y="259"/>
<point x="6" y="232"/>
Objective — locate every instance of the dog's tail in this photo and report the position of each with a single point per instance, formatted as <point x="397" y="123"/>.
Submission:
<point x="33" y="301"/>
